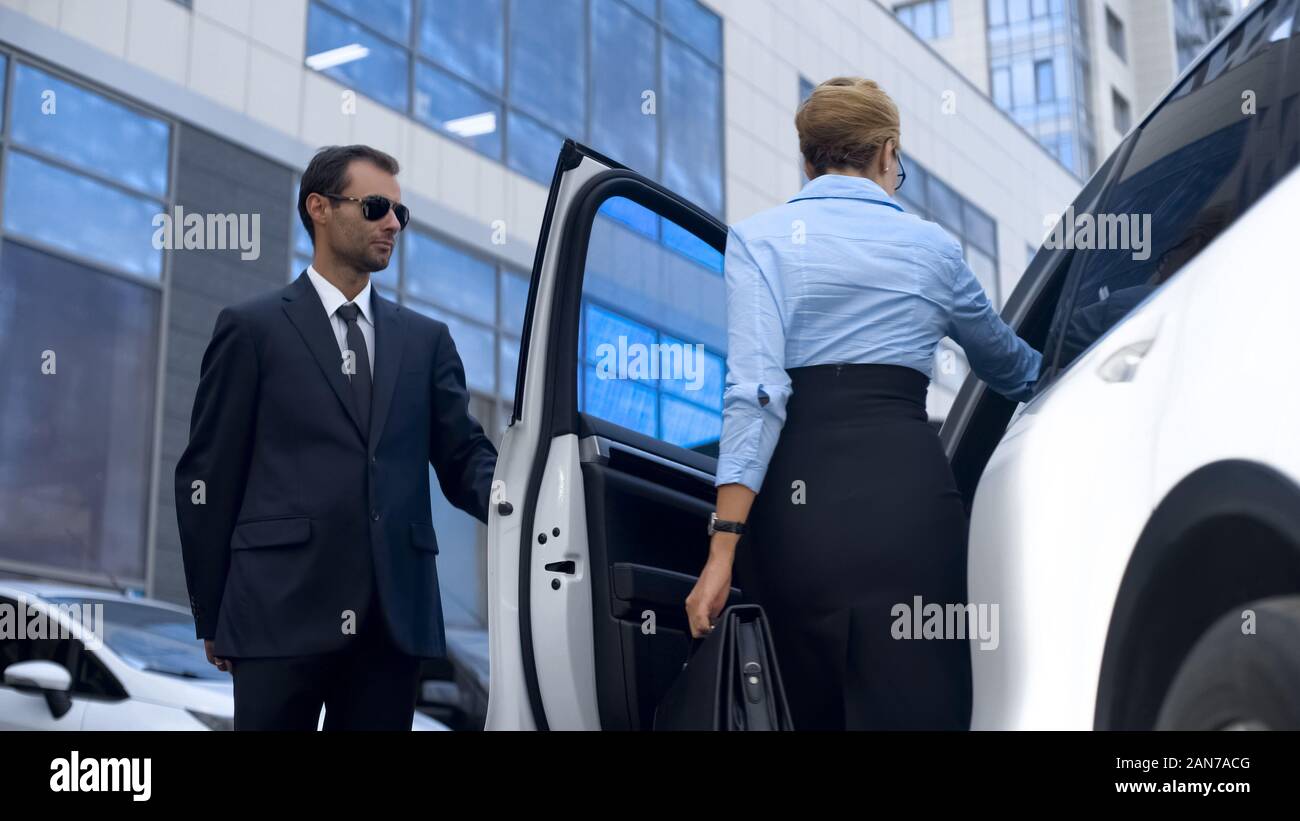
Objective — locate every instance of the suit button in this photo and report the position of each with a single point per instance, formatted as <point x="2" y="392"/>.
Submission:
<point x="373" y="460"/>
<point x="374" y="514"/>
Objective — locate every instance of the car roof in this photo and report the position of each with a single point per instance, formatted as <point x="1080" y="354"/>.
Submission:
<point x="56" y="590"/>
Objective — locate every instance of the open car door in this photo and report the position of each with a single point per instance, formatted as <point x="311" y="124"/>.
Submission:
<point x="604" y="483"/>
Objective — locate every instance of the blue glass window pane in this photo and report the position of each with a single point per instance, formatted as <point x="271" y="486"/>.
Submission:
<point x="997" y="12"/>
<point x="475" y="344"/>
<point x="514" y="301"/>
<point x="623" y="52"/>
<point x="339" y="48"/>
<point x="301" y="240"/>
<point x="604" y="327"/>
<point x="907" y="16"/>
<point x="3" y="66"/>
<point x="942" y="22"/>
<point x="466" y="36"/>
<point x="547" y="70"/>
<point x="945" y="205"/>
<point x="688" y="425"/>
<point x="457" y="109"/>
<point x="637" y="217"/>
<point x="76" y="448"/>
<point x="691" y="246"/>
<point x="450" y="277"/>
<point x="1017" y="10"/>
<point x="89" y="130"/>
<point x="923" y="21"/>
<point x="533" y="148"/>
<point x="1022" y="83"/>
<point x="917" y="180"/>
<point x="391" y="18"/>
<point x="388" y="277"/>
<point x="696" y="25"/>
<point x="1002" y="87"/>
<point x="646" y="7"/>
<point x="980" y="229"/>
<point x="1044" y="80"/>
<point x="80" y="215"/>
<point x="509" y="348"/>
<point x="700" y="388"/>
<point x="691" y="106"/>
<point x="621" y="401"/>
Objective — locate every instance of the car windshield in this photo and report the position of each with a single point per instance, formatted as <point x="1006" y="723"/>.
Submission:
<point x="151" y="638"/>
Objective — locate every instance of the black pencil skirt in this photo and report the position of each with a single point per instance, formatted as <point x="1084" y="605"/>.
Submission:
<point x="857" y="517"/>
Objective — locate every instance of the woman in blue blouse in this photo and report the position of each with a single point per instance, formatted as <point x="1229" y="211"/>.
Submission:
<point x="836" y="301"/>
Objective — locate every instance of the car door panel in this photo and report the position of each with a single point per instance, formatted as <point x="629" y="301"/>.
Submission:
<point x="596" y="531"/>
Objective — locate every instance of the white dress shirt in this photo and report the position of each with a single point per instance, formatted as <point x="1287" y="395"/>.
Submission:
<point x="331" y="297"/>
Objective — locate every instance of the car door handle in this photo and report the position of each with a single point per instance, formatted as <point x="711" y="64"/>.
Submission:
<point x="1122" y="365"/>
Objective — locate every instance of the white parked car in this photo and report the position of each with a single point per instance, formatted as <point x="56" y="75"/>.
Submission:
<point x="142" y="669"/>
<point x="1130" y="521"/>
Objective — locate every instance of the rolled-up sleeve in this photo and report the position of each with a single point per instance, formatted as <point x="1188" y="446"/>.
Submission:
<point x="757" y="386"/>
<point x="1007" y="363"/>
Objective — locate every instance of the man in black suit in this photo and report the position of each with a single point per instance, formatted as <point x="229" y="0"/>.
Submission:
<point x="303" y="496"/>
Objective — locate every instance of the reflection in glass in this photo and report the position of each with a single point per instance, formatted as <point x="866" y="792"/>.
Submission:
<point x="89" y="130"/>
<point x="457" y="109"/>
<point x="75" y="447"/>
<point x="113" y="227"/>
<point x="339" y="48"/>
<point x="466" y="37"/>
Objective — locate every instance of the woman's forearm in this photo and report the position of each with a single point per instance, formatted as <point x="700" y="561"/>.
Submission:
<point x="734" y="501"/>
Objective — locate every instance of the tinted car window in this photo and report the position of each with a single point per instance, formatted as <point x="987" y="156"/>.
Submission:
<point x="1201" y="160"/>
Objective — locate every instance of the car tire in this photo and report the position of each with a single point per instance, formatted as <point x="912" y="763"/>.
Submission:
<point x="1234" y="680"/>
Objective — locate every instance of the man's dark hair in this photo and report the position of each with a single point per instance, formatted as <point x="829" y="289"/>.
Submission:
<point x="327" y="174"/>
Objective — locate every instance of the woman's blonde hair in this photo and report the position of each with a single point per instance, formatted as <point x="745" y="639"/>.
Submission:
<point x="844" y="122"/>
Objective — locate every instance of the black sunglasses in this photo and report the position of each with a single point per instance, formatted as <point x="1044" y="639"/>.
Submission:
<point x="374" y="207"/>
<point x="902" y="172"/>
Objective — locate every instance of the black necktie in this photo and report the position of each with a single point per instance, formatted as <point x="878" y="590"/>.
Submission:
<point x="361" y="360"/>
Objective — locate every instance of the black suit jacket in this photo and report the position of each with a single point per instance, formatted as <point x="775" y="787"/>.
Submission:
<point x="298" y="514"/>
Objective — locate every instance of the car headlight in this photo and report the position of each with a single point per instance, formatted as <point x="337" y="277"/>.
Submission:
<point x="211" y="721"/>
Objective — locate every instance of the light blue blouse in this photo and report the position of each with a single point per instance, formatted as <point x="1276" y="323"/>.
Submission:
<point x="842" y="274"/>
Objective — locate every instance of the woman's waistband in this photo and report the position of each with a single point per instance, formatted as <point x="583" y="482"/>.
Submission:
<point x="824" y="394"/>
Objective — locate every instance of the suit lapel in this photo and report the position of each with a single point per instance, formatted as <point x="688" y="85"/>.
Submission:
<point x="388" y="360"/>
<point x="305" y="311"/>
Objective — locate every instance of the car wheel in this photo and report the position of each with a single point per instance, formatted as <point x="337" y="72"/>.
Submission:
<point x="1236" y="680"/>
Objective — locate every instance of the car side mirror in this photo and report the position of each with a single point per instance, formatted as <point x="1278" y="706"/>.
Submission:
<point x="49" y="678"/>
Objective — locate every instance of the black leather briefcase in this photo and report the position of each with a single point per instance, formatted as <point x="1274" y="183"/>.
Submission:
<point x="730" y="680"/>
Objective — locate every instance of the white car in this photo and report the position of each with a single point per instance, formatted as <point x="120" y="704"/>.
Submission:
<point x="142" y="669"/>
<point x="1138" y="522"/>
<point x="1130" y="521"/>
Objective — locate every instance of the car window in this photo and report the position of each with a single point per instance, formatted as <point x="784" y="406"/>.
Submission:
<point x="1198" y="162"/>
<point x="150" y="638"/>
<point x="652" y="335"/>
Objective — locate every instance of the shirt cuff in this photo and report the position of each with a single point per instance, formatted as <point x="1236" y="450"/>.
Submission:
<point x="732" y="470"/>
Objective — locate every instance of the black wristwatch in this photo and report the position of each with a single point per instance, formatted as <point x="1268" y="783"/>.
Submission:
<point x="723" y="525"/>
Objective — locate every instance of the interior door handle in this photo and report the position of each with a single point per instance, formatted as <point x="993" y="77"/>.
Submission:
<point x="1122" y="365"/>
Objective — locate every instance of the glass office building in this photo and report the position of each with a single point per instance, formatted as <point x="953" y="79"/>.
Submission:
<point x="1040" y="73"/>
<point x="134" y="108"/>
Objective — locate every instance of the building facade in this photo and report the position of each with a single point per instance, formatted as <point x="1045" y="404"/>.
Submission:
<point x="118" y="111"/>
<point x="1077" y="74"/>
